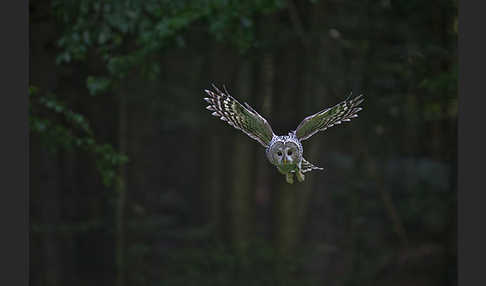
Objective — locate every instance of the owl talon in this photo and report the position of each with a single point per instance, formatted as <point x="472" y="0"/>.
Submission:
<point x="289" y="177"/>
<point x="300" y="176"/>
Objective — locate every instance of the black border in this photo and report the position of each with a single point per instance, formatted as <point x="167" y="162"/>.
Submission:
<point x="14" y="218"/>
<point x="472" y="143"/>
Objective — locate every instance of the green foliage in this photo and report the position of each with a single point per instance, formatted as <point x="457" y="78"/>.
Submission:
<point x="130" y="34"/>
<point x="60" y="127"/>
<point x="97" y="85"/>
<point x="440" y="86"/>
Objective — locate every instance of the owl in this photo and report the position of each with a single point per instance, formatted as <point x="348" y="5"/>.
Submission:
<point x="285" y="152"/>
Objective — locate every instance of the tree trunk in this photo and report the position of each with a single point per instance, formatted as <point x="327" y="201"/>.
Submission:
<point x="50" y="214"/>
<point x="121" y="192"/>
<point x="242" y="196"/>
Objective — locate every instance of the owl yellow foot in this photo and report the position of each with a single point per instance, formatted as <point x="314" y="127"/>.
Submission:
<point x="300" y="176"/>
<point x="289" y="177"/>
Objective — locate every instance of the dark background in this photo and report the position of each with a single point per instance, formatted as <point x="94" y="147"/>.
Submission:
<point x="132" y="182"/>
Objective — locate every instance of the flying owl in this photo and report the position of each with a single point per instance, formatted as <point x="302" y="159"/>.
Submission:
<point x="285" y="152"/>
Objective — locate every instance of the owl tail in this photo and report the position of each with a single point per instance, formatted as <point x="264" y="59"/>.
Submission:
<point x="307" y="166"/>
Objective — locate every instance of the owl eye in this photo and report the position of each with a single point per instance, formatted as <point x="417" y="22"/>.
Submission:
<point x="289" y="153"/>
<point x="279" y="153"/>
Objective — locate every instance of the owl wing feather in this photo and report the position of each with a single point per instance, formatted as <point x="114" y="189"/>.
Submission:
<point x="240" y="117"/>
<point x="329" y="117"/>
<point x="307" y="166"/>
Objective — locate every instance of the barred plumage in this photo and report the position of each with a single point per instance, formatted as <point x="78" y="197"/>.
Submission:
<point x="240" y="117"/>
<point x="308" y="166"/>
<point x="285" y="152"/>
<point x="329" y="117"/>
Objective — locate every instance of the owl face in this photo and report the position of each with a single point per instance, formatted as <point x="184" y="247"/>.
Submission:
<point x="285" y="153"/>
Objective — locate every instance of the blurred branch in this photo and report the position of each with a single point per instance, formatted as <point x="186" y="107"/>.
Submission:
<point x="390" y="208"/>
<point x="392" y="212"/>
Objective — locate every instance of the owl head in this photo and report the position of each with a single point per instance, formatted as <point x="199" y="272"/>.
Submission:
<point x="284" y="152"/>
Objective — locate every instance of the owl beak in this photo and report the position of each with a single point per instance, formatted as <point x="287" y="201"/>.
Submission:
<point x="284" y="160"/>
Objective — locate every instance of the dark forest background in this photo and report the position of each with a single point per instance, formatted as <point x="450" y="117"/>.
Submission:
<point x="132" y="182"/>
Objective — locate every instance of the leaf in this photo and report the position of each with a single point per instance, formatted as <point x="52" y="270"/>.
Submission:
<point x="97" y="85"/>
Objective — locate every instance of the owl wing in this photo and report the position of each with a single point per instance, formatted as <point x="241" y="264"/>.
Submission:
<point x="326" y="118"/>
<point x="240" y="117"/>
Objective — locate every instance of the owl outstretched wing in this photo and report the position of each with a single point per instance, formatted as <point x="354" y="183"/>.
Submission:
<point x="326" y="118"/>
<point x="240" y="117"/>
